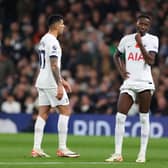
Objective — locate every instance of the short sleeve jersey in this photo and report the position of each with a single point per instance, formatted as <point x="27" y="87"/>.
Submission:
<point x="135" y="64"/>
<point x="48" y="47"/>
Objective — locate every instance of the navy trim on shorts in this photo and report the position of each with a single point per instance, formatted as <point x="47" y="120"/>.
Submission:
<point x="52" y="56"/>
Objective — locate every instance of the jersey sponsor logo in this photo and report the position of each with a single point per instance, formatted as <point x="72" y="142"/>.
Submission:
<point x="135" y="56"/>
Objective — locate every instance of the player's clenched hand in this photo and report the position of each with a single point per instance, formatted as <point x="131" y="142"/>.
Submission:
<point x="138" y="38"/>
<point x="124" y="74"/>
<point x="59" y="92"/>
<point x="67" y="86"/>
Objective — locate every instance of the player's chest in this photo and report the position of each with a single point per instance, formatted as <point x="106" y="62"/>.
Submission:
<point x="133" y="52"/>
<point x="132" y="45"/>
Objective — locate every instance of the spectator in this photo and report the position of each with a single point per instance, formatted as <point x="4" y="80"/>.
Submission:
<point x="11" y="106"/>
<point x="85" y="106"/>
<point x="6" y="67"/>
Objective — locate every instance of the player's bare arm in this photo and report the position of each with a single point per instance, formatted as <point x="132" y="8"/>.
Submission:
<point x="57" y="76"/>
<point x="66" y="85"/>
<point x="120" y="65"/>
<point x="149" y="57"/>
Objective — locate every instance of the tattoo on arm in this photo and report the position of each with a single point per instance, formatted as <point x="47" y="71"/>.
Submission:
<point x="55" y="70"/>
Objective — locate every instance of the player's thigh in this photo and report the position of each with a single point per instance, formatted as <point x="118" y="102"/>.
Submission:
<point x="43" y="98"/>
<point x="124" y="103"/>
<point x="44" y="104"/>
<point x="64" y="109"/>
<point x="144" y="99"/>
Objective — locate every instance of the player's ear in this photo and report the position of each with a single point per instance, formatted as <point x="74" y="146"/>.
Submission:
<point x="137" y="23"/>
<point x="149" y="26"/>
<point x="55" y="24"/>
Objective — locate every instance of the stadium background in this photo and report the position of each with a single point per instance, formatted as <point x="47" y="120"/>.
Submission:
<point x="93" y="30"/>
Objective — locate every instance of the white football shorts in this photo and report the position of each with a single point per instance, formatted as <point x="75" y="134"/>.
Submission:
<point x="133" y="87"/>
<point x="48" y="97"/>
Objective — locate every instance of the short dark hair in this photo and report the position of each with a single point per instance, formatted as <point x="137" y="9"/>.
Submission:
<point x="144" y="15"/>
<point x="53" y="19"/>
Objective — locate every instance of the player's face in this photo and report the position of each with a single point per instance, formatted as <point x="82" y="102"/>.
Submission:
<point x="61" y="27"/>
<point x="143" y="25"/>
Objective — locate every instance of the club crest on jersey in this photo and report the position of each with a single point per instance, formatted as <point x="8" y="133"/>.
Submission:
<point x="54" y="47"/>
<point x="135" y="56"/>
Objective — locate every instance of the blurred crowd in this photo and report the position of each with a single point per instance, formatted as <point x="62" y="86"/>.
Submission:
<point x="93" y="31"/>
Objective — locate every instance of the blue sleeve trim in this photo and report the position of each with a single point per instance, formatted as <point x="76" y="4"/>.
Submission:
<point x="120" y="53"/>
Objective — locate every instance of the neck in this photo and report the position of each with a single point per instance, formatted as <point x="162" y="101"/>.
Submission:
<point x="53" y="32"/>
<point x="142" y="34"/>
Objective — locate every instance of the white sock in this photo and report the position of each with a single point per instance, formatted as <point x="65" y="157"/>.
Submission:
<point x="145" y="128"/>
<point x="38" y="132"/>
<point x="119" y="131"/>
<point x="62" y="131"/>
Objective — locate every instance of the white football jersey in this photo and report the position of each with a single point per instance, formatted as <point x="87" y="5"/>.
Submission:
<point x="135" y="64"/>
<point x="48" y="47"/>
